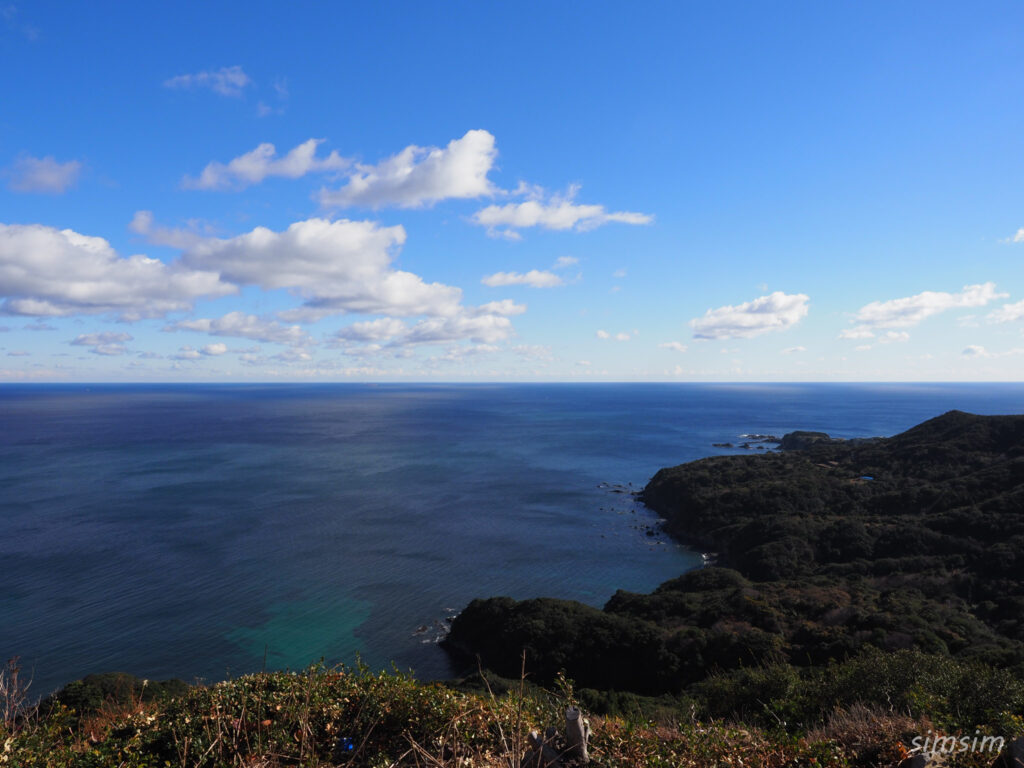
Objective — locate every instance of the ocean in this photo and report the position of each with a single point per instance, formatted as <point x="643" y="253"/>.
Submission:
<point x="208" y="531"/>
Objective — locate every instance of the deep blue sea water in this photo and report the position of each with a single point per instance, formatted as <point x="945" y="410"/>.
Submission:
<point x="204" y="531"/>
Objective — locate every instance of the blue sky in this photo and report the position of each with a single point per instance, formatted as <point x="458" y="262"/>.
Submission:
<point x="497" y="191"/>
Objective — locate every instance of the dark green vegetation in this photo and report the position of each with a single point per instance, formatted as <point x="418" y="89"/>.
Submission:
<point x="919" y="569"/>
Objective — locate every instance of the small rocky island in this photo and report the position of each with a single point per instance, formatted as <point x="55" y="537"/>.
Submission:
<point x="827" y="550"/>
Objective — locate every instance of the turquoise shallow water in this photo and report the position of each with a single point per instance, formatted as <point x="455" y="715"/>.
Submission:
<point x="204" y="531"/>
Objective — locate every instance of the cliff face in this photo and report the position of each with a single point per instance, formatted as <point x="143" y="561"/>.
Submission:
<point x="912" y="542"/>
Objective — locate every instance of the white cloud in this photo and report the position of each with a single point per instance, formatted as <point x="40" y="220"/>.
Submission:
<point x="894" y="336"/>
<point x="241" y="325"/>
<point x="618" y="274"/>
<point x="481" y="329"/>
<point x="213" y="350"/>
<point x="777" y="311"/>
<point x="1007" y="313"/>
<point x="262" y="162"/>
<point x="181" y="238"/>
<point x="1018" y="236"/>
<point x="559" y="212"/>
<point x="603" y="335"/>
<point x="337" y="267"/>
<point x="505" y="307"/>
<point x="975" y="350"/>
<point x="618" y="336"/>
<point x="43" y="174"/>
<point x="421" y="176"/>
<point x="49" y="272"/>
<point x="293" y="355"/>
<point x="471" y="325"/>
<point x="678" y="346"/>
<point x="793" y="350"/>
<point x="187" y="353"/>
<point x="107" y="343"/>
<point x="911" y="310"/>
<point x="371" y="330"/>
<point x="227" y="81"/>
<point x="860" y="332"/>
<point x="367" y="350"/>
<point x="565" y="261"/>
<point x="534" y="278"/>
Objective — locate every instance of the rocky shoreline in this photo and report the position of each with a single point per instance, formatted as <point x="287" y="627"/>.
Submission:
<point x="831" y="547"/>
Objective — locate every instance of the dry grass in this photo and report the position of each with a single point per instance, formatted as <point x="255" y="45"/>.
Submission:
<point x="14" y="693"/>
<point x="875" y="735"/>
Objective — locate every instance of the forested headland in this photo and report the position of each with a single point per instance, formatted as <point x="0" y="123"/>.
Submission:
<point x="834" y="560"/>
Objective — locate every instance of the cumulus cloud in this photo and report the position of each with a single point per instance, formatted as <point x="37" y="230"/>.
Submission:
<point x="241" y="325"/>
<point x="345" y="267"/>
<point x="213" y="350"/>
<point x="227" y="81"/>
<point x="622" y="336"/>
<point x="371" y="330"/>
<point x="420" y="176"/>
<point x="108" y="343"/>
<point x="49" y="272"/>
<point x="535" y="278"/>
<point x="1007" y="313"/>
<point x="390" y="334"/>
<point x="557" y="212"/>
<point x="482" y="329"/>
<point x="777" y="311"/>
<point x="187" y="353"/>
<point x="676" y="345"/>
<point x="43" y="175"/>
<point x="337" y="267"/>
<point x="262" y="162"/>
<point x="911" y="310"/>
<point x="505" y="307"/>
<point x="565" y="261"/>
